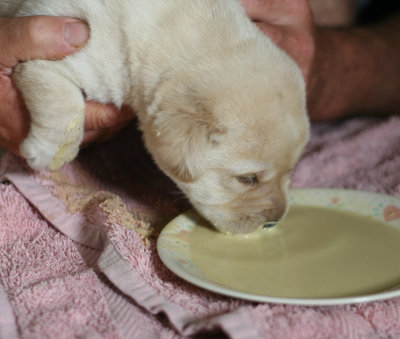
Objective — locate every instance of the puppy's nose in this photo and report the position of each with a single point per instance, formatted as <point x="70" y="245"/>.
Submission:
<point x="270" y="224"/>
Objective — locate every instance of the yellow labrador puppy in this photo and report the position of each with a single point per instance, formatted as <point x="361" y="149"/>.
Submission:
<point x="221" y="108"/>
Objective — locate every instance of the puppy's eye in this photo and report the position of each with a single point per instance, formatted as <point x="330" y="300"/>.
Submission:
<point x="250" y="179"/>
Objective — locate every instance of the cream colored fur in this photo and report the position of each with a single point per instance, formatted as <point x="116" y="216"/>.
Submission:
<point x="221" y="108"/>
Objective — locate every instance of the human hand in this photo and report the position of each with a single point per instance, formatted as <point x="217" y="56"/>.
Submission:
<point x="42" y="37"/>
<point x="290" y="25"/>
<point x="23" y="39"/>
<point x="101" y="121"/>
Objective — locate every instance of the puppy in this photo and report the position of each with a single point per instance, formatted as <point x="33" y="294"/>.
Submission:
<point x="221" y="108"/>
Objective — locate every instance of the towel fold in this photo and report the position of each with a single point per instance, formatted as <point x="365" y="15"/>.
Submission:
<point x="78" y="246"/>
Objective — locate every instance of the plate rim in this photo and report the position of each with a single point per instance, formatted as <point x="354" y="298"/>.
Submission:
<point x="230" y="292"/>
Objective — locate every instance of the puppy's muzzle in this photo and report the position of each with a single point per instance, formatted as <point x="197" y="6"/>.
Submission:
<point x="280" y="210"/>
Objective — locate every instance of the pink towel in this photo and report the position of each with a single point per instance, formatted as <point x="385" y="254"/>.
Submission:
<point x="78" y="255"/>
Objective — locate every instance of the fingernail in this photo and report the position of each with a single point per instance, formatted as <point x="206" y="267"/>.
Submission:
<point x="76" y="33"/>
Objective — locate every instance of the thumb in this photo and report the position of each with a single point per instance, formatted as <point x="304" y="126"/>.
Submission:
<point x="100" y="116"/>
<point x="39" y="37"/>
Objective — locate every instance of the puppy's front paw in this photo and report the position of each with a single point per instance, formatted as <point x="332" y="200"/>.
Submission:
<point x="41" y="152"/>
<point x="65" y="153"/>
<point x="38" y="153"/>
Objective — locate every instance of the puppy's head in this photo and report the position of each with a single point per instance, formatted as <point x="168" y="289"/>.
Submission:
<point x="230" y="137"/>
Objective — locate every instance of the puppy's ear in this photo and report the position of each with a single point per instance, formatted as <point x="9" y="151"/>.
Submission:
<point x="182" y="139"/>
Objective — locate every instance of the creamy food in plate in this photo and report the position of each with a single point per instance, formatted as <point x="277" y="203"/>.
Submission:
<point x="315" y="252"/>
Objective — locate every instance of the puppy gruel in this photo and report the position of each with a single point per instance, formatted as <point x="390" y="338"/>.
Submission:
<point x="221" y="108"/>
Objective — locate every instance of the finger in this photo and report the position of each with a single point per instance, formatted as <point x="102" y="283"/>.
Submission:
<point x="263" y="10"/>
<point x="39" y="37"/>
<point x="100" y="116"/>
<point x="255" y="9"/>
<point x="278" y="12"/>
<point x="104" y="134"/>
<point x="91" y="136"/>
<point x="14" y="124"/>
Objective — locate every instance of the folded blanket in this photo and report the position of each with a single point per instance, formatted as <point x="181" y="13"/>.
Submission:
<point x="78" y="255"/>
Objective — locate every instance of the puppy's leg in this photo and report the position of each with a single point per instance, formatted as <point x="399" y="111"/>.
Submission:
<point x="56" y="107"/>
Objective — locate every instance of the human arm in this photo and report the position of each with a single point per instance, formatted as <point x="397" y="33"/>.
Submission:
<point x="347" y="70"/>
<point x="356" y="70"/>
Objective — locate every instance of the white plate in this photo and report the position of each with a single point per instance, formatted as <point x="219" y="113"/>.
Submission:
<point x="174" y="248"/>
